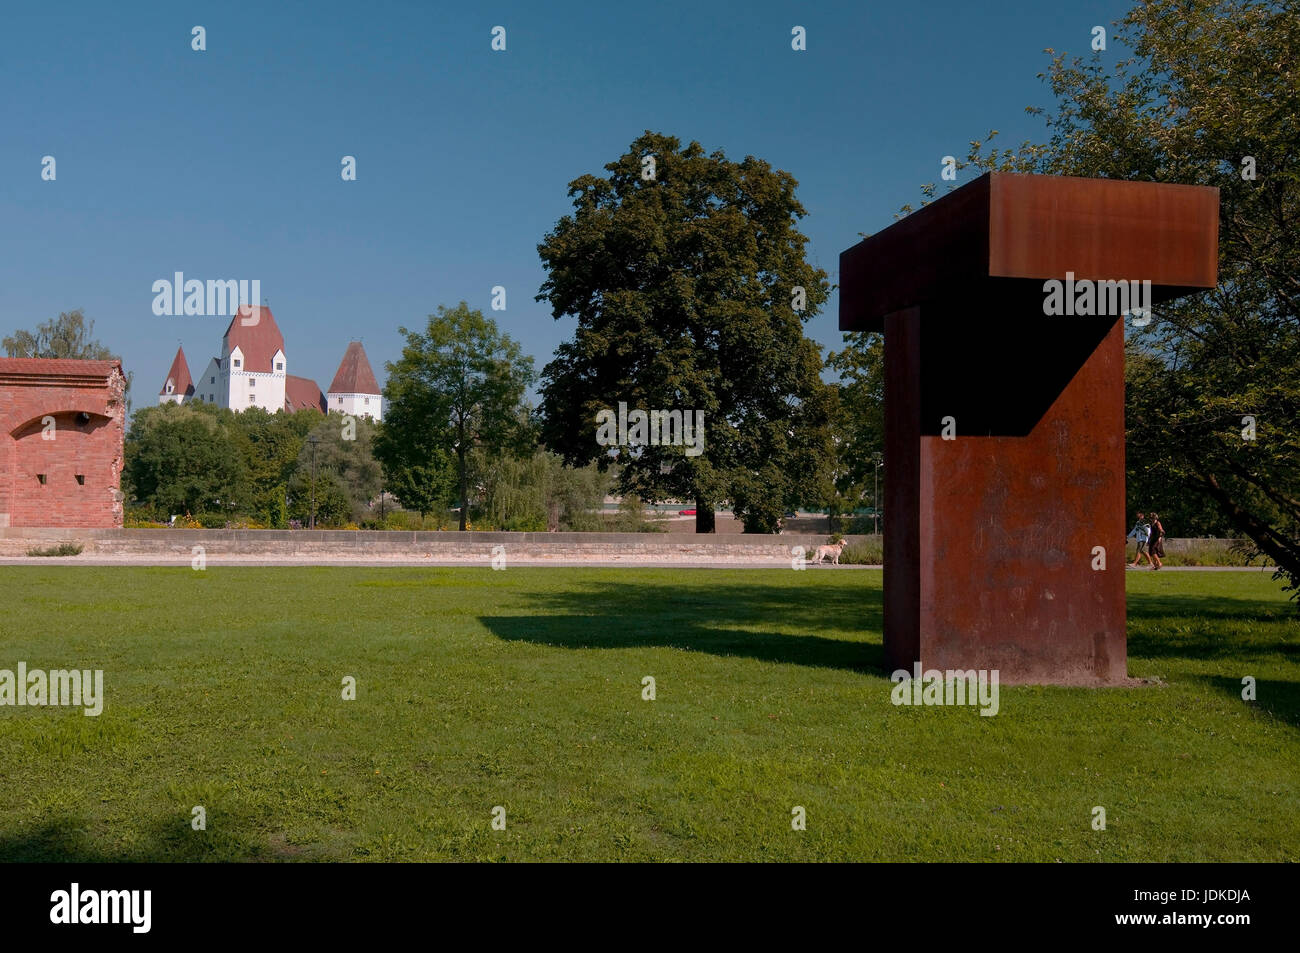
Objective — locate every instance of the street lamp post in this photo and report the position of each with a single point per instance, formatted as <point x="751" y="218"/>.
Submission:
<point x="311" y="522"/>
<point x="875" y="492"/>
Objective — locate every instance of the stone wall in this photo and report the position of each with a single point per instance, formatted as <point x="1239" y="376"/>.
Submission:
<point x="471" y="547"/>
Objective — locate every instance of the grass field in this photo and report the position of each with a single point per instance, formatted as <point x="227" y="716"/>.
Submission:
<point x="523" y="689"/>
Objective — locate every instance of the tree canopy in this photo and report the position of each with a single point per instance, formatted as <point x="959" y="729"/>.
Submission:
<point x="458" y="386"/>
<point x="689" y="282"/>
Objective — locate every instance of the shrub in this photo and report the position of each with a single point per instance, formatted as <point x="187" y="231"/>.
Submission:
<point x="866" y="552"/>
<point x="63" y="549"/>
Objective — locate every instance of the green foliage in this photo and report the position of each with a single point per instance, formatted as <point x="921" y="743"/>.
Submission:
<point x="333" y="506"/>
<point x="457" y="387"/>
<point x="1209" y="83"/>
<point x="631" y="517"/>
<point x="683" y="291"/>
<point x="859" y="424"/>
<point x="181" y="459"/>
<point x="270" y="445"/>
<point x="251" y="468"/>
<point x="62" y="549"/>
<point x="539" y="493"/>
<point x="343" y="451"/>
<point x="67" y="336"/>
<point x="425" y="489"/>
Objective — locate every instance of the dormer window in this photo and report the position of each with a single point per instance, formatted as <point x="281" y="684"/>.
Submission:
<point x="279" y="365"/>
<point x="236" y="362"/>
<point x="170" y="387"/>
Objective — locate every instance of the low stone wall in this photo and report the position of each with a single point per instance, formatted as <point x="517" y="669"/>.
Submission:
<point x="360" y="544"/>
<point x="179" y="544"/>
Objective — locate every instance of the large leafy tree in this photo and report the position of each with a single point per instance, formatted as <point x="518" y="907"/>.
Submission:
<point x="68" y="336"/>
<point x="860" y="421"/>
<point x="345" y="468"/>
<point x="181" y="459"/>
<point x="458" y="386"/>
<point x="687" y="275"/>
<point x="269" y="445"/>
<point x="1209" y="95"/>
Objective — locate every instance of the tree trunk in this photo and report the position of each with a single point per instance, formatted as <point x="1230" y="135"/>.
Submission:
<point x="704" y="518"/>
<point x="464" y="491"/>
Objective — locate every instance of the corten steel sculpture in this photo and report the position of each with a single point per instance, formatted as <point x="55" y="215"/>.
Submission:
<point x="990" y="536"/>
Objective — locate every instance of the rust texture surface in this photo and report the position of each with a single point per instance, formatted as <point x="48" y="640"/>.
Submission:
<point x="991" y="536"/>
<point x="1008" y="225"/>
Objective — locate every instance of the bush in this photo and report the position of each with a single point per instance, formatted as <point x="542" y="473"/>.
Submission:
<point x="869" y="551"/>
<point x="63" y="549"/>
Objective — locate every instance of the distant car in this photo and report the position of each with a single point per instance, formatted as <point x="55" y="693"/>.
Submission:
<point x="685" y="512"/>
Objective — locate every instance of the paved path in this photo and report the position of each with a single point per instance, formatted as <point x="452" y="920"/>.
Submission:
<point x="483" y="562"/>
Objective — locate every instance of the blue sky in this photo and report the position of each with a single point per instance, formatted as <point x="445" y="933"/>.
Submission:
<point x="225" y="163"/>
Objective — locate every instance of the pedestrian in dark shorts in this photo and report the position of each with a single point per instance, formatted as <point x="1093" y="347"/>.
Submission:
<point x="1156" y="548"/>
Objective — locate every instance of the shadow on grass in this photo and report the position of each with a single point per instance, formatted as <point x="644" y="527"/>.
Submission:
<point x="1210" y="627"/>
<point x="1273" y="696"/>
<point x="710" y="619"/>
<point x="65" y="839"/>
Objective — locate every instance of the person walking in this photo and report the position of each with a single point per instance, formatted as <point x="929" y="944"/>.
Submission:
<point x="1141" y="532"/>
<point x="1156" y="545"/>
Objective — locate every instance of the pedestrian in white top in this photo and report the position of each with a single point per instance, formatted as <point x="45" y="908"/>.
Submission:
<point x="1141" y="532"/>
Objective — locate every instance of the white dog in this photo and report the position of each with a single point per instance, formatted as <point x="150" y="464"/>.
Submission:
<point x="833" y="551"/>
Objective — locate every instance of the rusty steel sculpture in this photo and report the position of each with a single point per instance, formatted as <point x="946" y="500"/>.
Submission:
<point x="1002" y="306"/>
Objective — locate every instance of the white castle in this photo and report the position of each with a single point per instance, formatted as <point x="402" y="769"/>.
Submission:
<point x="252" y="372"/>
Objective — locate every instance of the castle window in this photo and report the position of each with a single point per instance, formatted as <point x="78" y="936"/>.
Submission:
<point x="41" y="478"/>
<point x="212" y="380"/>
<point x="340" y="400"/>
<point x="237" y="362"/>
<point x="81" y="479"/>
<point x="367" y="400"/>
<point x="279" y="365"/>
<point x="252" y="381"/>
<point x="170" y="387"/>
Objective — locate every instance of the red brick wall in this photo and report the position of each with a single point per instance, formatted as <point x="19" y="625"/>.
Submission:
<point x="91" y="448"/>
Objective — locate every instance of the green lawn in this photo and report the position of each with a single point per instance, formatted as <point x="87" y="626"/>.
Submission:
<point x="523" y="689"/>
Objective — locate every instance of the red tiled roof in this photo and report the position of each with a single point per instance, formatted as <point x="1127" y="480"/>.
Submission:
<point x="253" y="330"/>
<point x="179" y="376"/>
<point x="58" y="367"/>
<point x="300" y="393"/>
<point x="354" y="375"/>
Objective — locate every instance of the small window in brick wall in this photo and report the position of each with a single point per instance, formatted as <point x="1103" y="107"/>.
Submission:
<point x="41" y="478"/>
<point x="81" y="479"/>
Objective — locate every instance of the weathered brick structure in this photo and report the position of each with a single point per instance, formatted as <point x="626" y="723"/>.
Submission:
<point x="62" y="425"/>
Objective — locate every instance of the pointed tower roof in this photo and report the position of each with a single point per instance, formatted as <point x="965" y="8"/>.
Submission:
<point x="178" y="377"/>
<point x="354" y="375"/>
<point x="253" y="330"/>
